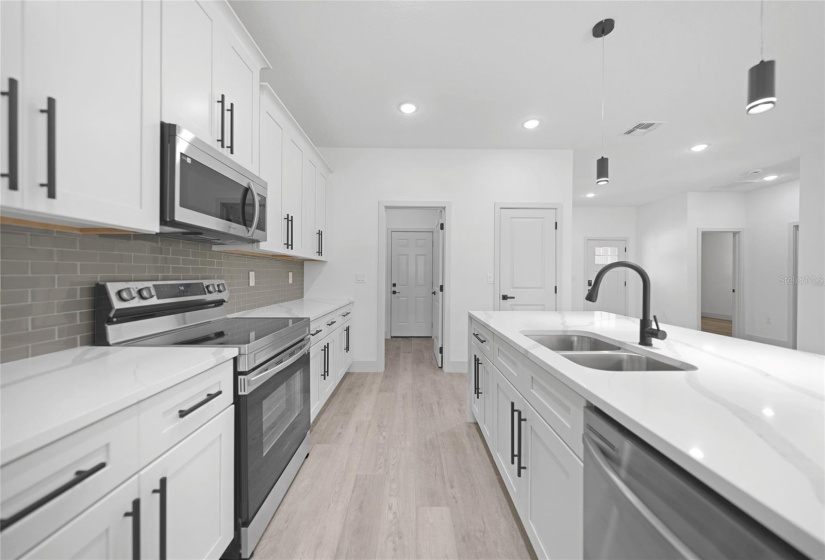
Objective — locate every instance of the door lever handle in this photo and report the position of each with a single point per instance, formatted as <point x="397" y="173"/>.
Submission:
<point x="505" y="297"/>
<point x="395" y="292"/>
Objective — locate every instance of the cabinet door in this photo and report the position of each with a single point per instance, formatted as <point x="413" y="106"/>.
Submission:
<point x="100" y="62"/>
<point x="552" y="506"/>
<point x="102" y="531"/>
<point x="328" y="383"/>
<point x="236" y="77"/>
<point x="485" y="387"/>
<point x="316" y="373"/>
<point x="186" y="67"/>
<point x="321" y="208"/>
<point x="476" y="399"/>
<point x="312" y="245"/>
<point x="506" y="403"/>
<point x="292" y="193"/>
<point x="271" y="153"/>
<point x="11" y="67"/>
<point x="197" y="476"/>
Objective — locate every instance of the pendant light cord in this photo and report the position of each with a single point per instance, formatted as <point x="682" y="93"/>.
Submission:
<point x="603" y="36"/>
<point x="762" y="30"/>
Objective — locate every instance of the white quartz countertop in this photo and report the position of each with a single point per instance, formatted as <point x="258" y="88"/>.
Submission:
<point x="48" y="397"/>
<point x="749" y="421"/>
<point x="307" y="307"/>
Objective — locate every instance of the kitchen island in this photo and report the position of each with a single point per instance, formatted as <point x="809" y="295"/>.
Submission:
<point x="746" y="419"/>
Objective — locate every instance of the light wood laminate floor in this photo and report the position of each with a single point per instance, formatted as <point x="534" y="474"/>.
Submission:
<point x="396" y="471"/>
<point x="717" y="326"/>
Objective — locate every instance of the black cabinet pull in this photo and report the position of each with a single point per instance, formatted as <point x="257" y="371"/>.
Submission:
<point x="480" y="338"/>
<point x="319" y="331"/>
<point x="478" y="379"/>
<point x="194" y="407"/>
<point x="162" y="492"/>
<point x="346" y="314"/>
<point x="292" y="232"/>
<point x="331" y="323"/>
<point x="322" y="243"/>
<point x="475" y="376"/>
<point x="231" y="111"/>
<point x="79" y="476"/>
<point x="347" y="348"/>
<point x="222" y="103"/>
<point x="286" y="243"/>
<point x="318" y="235"/>
<point x="13" y="174"/>
<point x="520" y="468"/>
<point x="51" y="147"/>
<point x="512" y="434"/>
<point x="135" y="515"/>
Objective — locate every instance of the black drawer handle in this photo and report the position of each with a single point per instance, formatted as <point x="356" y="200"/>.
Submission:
<point x="331" y="323"/>
<point x="231" y="111"/>
<point x="480" y="338"/>
<point x="346" y="314"/>
<point x="79" y="476"/>
<point x="13" y="173"/>
<point x="194" y="407"/>
<point x="319" y="331"/>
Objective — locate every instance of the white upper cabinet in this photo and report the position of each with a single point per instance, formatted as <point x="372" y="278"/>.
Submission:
<point x="292" y="194"/>
<point x="271" y="150"/>
<point x="11" y="72"/>
<point x="311" y="235"/>
<point x="89" y="107"/>
<point x="321" y="210"/>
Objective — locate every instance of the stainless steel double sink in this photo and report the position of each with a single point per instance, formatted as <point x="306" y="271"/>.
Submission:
<point x="607" y="355"/>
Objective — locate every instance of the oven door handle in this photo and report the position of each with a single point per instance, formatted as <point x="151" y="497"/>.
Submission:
<point x="247" y="384"/>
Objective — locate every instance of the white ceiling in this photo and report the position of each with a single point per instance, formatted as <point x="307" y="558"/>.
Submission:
<point x="477" y="70"/>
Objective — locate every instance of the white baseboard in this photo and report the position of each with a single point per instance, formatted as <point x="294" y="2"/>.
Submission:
<point x="771" y="341"/>
<point x="717" y="316"/>
<point x="455" y="367"/>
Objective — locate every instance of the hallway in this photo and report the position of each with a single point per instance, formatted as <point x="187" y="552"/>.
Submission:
<point x="396" y="471"/>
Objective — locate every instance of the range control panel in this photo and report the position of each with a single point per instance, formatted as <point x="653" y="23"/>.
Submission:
<point x="126" y="295"/>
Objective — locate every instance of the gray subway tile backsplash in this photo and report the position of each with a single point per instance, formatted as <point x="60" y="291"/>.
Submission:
<point x="47" y="280"/>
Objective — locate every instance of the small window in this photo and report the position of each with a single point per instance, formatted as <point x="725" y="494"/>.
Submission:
<point x="606" y="255"/>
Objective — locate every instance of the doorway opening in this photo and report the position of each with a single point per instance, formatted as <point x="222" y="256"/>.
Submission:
<point x="414" y="264"/>
<point x="720" y="282"/>
<point x="794" y="295"/>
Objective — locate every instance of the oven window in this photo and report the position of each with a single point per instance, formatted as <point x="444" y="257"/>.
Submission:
<point x="204" y="190"/>
<point x="279" y="410"/>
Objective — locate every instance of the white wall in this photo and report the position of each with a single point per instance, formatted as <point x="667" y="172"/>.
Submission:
<point x="473" y="180"/>
<point x="717" y="275"/>
<point x="811" y="307"/>
<point x="417" y="218"/>
<point x="604" y="222"/>
<point x="770" y="211"/>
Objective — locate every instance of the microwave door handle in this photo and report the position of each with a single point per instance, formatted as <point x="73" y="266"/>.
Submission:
<point x="257" y="209"/>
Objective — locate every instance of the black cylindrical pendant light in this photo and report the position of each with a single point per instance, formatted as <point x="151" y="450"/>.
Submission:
<point x="601" y="30"/>
<point x="762" y="77"/>
<point x="761" y="87"/>
<point x="602" y="176"/>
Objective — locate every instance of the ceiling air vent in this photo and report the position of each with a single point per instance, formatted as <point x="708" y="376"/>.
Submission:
<point x="733" y="185"/>
<point x="643" y="128"/>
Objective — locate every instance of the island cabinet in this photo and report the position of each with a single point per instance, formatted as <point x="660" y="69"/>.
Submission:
<point x="534" y="447"/>
<point x="81" y="113"/>
<point x="104" y="492"/>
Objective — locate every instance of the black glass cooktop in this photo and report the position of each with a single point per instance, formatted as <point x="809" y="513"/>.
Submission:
<point x="239" y="332"/>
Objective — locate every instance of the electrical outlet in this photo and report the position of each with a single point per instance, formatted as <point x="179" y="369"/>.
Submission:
<point x="489" y="277"/>
<point x="251" y="277"/>
<point x="360" y="277"/>
<point x="290" y="278"/>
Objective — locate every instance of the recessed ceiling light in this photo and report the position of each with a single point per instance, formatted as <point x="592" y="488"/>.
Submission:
<point x="590" y="195"/>
<point x="770" y="177"/>
<point x="530" y="124"/>
<point x="699" y="147"/>
<point x="407" y="108"/>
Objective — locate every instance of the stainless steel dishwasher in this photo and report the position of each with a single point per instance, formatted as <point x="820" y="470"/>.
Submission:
<point x="640" y="505"/>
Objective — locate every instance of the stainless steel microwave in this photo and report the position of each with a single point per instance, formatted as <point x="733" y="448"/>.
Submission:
<point x="205" y="196"/>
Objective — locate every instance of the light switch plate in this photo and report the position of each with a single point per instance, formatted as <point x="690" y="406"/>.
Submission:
<point x="290" y="278"/>
<point x="251" y="277"/>
<point x="360" y="277"/>
<point x="489" y="277"/>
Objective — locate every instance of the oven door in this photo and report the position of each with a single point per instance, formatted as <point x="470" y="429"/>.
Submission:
<point x="204" y="189"/>
<point x="273" y="420"/>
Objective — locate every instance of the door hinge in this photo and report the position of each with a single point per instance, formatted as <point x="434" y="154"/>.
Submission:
<point x="625" y="283"/>
<point x="555" y="289"/>
<point x="625" y="249"/>
<point x="441" y="287"/>
<point x="440" y="350"/>
<point x="557" y="225"/>
<point x="442" y="227"/>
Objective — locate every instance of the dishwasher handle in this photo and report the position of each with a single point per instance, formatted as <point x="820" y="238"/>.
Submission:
<point x="593" y="451"/>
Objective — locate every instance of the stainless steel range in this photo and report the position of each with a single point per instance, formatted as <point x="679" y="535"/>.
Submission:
<point x="272" y="408"/>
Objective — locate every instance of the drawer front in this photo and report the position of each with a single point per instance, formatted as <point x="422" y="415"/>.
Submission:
<point x="319" y="329"/>
<point x="65" y="478"/>
<point x="559" y="406"/>
<point x="483" y="338"/>
<point x="170" y="416"/>
<point x="509" y="363"/>
<point x="345" y="313"/>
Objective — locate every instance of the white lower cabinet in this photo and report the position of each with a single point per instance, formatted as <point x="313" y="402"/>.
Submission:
<point x="552" y="507"/>
<point x="102" y="531"/>
<point x="329" y="358"/>
<point x="542" y="474"/>
<point x="192" y="485"/>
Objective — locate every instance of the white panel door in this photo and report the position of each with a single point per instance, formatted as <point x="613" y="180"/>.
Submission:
<point x="272" y="141"/>
<point x="186" y="67"/>
<point x="11" y="70"/>
<point x="552" y="506"/>
<point x="438" y="292"/>
<point x="100" y="62"/>
<point x="412" y="283"/>
<point x="199" y="480"/>
<point x="527" y="259"/>
<point x="613" y="290"/>
<point x="102" y="531"/>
